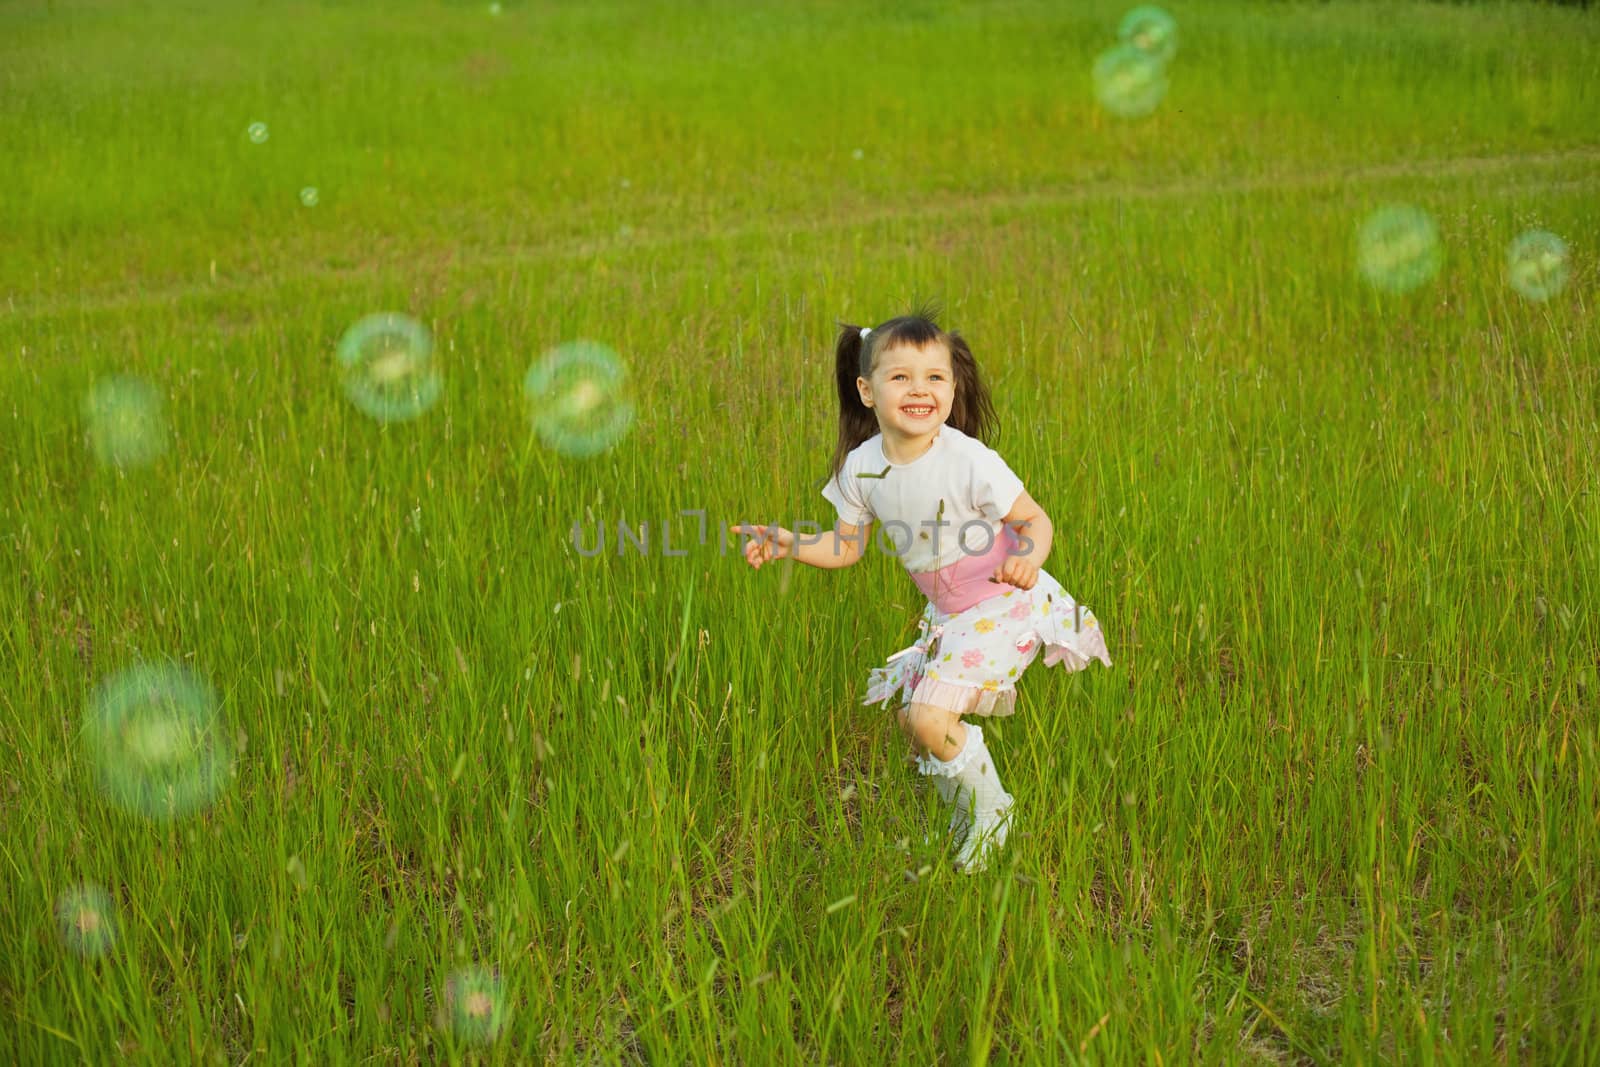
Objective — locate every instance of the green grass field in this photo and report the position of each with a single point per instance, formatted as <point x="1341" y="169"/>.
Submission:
<point x="1337" y="800"/>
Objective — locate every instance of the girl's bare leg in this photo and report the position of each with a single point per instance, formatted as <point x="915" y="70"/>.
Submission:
<point x="981" y="806"/>
<point x="950" y="733"/>
<point x="933" y="730"/>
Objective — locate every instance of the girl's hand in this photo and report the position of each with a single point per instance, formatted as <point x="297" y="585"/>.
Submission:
<point x="767" y="543"/>
<point x="1018" y="571"/>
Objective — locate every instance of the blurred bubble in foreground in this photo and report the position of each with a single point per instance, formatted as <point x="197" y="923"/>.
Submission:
<point x="1129" y="82"/>
<point x="126" y="427"/>
<point x="474" y="1005"/>
<point x="1398" y="248"/>
<point x="577" y="398"/>
<point x="494" y="9"/>
<point x="87" y="919"/>
<point x="309" y="196"/>
<point x="157" y="744"/>
<point x="387" y="362"/>
<point x="257" y="133"/>
<point x="1538" y="264"/>
<point x="1152" y="31"/>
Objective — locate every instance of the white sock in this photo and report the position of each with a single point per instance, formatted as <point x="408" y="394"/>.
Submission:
<point x="978" y="786"/>
<point x="946" y="786"/>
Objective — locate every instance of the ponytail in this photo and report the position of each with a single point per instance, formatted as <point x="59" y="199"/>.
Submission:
<point x="852" y="359"/>
<point x="973" y="413"/>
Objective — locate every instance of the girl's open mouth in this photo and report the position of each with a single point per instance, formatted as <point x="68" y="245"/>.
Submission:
<point x="918" y="412"/>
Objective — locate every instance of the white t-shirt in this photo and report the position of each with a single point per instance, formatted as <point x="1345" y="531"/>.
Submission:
<point x="962" y="473"/>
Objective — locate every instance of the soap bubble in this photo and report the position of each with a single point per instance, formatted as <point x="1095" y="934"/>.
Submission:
<point x="157" y="744"/>
<point x="125" y="423"/>
<point x="387" y="360"/>
<point x="1129" y="82"/>
<point x="1152" y="31"/>
<point x="494" y="9"/>
<point x="87" y="919"/>
<point x="474" y="1005"/>
<point x="1398" y="248"/>
<point x="577" y="398"/>
<point x="309" y="196"/>
<point x="257" y="133"/>
<point x="1538" y="264"/>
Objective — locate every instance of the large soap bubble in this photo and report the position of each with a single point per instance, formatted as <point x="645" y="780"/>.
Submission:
<point x="387" y="362"/>
<point x="87" y="919"/>
<point x="158" y="746"/>
<point x="474" y="1005"/>
<point x="1398" y="249"/>
<point x="125" y="423"/>
<point x="1152" y="31"/>
<point x="1538" y="265"/>
<point x="1129" y="82"/>
<point x="577" y="398"/>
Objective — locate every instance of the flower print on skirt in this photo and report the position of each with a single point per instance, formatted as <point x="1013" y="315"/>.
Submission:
<point x="969" y="661"/>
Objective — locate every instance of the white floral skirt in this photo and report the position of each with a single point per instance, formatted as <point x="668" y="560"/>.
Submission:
<point x="969" y="662"/>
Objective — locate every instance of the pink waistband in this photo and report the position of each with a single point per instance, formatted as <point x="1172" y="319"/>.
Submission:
<point x="966" y="581"/>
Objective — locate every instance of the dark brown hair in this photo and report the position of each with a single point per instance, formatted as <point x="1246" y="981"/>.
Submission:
<point x="971" y="413"/>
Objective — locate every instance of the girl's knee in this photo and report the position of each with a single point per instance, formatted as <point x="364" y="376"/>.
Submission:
<point x="930" y="727"/>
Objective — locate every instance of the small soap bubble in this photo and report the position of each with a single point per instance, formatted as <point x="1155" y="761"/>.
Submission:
<point x="1538" y="264"/>
<point x="577" y="398"/>
<point x="309" y="196"/>
<point x="858" y="155"/>
<point x="388" y="368"/>
<point x="1398" y="249"/>
<point x="1128" y="82"/>
<point x="494" y="9"/>
<point x="474" y="1005"/>
<point x="125" y="422"/>
<point x="257" y="132"/>
<point x="87" y="919"/>
<point x="1152" y="31"/>
<point x="155" y="739"/>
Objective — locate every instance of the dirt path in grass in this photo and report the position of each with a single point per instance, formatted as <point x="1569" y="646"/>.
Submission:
<point x="430" y="263"/>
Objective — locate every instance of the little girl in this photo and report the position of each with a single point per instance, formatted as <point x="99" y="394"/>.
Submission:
<point x="913" y="414"/>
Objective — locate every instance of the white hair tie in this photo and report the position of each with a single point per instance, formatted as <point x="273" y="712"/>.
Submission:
<point x="864" y="331"/>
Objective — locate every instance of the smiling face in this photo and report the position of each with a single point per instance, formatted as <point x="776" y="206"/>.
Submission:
<point x="911" y="391"/>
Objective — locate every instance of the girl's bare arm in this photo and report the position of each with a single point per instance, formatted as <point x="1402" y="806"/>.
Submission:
<point x="841" y="548"/>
